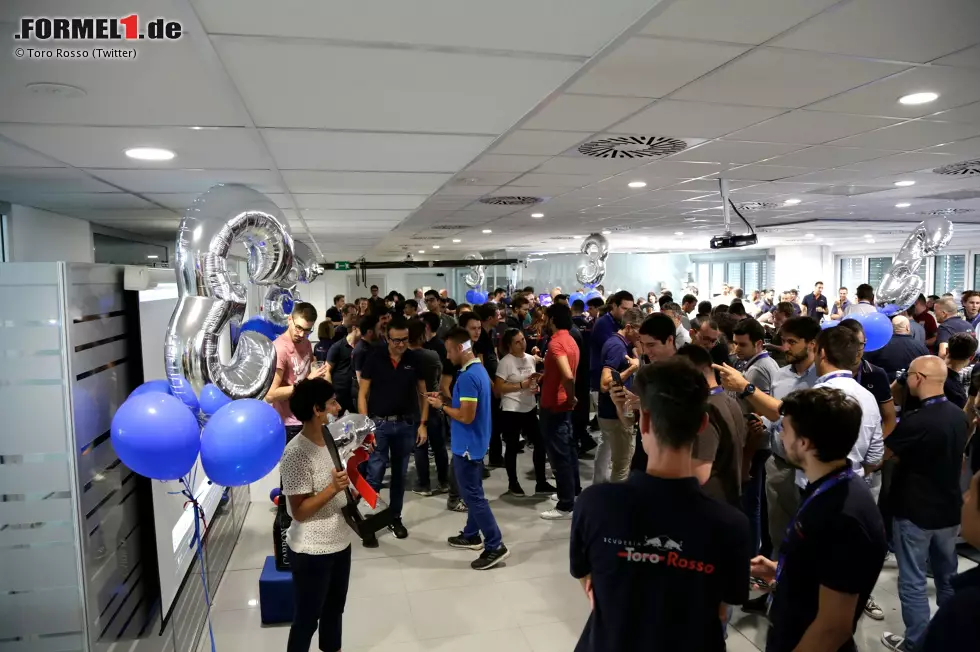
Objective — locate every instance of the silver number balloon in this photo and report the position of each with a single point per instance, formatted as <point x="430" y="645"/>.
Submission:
<point x="477" y="274"/>
<point x="596" y="247"/>
<point x="900" y="285"/>
<point x="278" y="304"/>
<point x="208" y="298"/>
<point x="279" y="300"/>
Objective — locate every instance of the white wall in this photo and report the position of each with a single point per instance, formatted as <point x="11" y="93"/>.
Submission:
<point x="35" y="236"/>
<point x="801" y="266"/>
<point x="638" y="273"/>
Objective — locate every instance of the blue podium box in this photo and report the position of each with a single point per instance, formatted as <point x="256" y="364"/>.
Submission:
<point x="275" y="594"/>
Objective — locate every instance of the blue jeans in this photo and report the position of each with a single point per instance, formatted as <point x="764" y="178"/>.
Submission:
<point x="397" y="439"/>
<point x="437" y="442"/>
<point x="753" y="495"/>
<point x="479" y="518"/>
<point x="556" y="432"/>
<point x="913" y="546"/>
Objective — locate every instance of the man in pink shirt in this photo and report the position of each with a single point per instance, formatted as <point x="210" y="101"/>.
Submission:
<point x="294" y="356"/>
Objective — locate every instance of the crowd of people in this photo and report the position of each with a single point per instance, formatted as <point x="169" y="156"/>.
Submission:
<point x="742" y="445"/>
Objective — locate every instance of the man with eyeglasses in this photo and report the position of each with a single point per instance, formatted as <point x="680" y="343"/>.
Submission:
<point x="434" y="305"/>
<point x="294" y="357"/>
<point x="400" y="410"/>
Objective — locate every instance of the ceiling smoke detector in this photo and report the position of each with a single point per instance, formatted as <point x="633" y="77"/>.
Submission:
<point x="947" y="211"/>
<point x="757" y="206"/>
<point x="633" y="147"/>
<point x="962" y="169"/>
<point x="508" y="200"/>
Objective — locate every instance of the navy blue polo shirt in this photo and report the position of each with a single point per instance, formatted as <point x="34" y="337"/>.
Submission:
<point x="812" y="303"/>
<point x="897" y="354"/>
<point x="875" y="380"/>
<point x="604" y="328"/>
<point x="394" y="387"/>
<point x="951" y="327"/>
<point x="614" y="353"/>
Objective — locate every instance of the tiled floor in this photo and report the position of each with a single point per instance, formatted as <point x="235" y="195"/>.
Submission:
<point x="418" y="594"/>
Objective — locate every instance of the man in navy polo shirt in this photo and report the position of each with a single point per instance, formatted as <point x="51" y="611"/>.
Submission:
<point x="470" y="423"/>
<point x="604" y="328"/>
<point x="612" y="460"/>
<point x="950" y="323"/>
<point x="900" y="350"/>
<point x="816" y="303"/>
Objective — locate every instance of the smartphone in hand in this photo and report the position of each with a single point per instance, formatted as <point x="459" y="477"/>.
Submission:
<point x="617" y="378"/>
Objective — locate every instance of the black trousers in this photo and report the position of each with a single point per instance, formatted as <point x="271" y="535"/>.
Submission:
<point x="495" y="451"/>
<point x="320" y="590"/>
<point x="514" y="425"/>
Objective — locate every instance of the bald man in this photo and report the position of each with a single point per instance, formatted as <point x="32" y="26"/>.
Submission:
<point x="900" y="350"/>
<point x="950" y="323"/>
<point x="925" y="496"/>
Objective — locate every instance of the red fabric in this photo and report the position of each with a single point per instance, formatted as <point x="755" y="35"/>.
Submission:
<point x="553" y="395"/>
<point x="360" y="484"/>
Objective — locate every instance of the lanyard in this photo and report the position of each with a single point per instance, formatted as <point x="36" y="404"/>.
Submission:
<point x="836" y="374"/>
<point x="843" y="476"/>
<point x="934" y="399"/>
<point x="716" y="390"/>
<point x="755" y="358"/>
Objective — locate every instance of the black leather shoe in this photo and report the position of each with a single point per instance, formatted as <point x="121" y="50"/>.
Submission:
<point x="398" y="529"/>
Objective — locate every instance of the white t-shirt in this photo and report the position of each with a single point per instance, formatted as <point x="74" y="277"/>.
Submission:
<point x="514" y="370"/>
<point x="305" y="469"/>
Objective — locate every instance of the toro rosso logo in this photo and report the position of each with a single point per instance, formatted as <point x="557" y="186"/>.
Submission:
<point x="667" y="552"/>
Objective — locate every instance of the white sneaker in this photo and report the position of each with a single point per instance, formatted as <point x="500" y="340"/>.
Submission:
<point x="556" y="515"/>
<point x="553" y="498"/>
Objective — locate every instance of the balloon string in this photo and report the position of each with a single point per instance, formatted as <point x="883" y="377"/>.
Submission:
<point x="198" y="540"/>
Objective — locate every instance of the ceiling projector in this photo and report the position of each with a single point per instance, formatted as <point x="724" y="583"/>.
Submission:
<point x="729" y="241"/>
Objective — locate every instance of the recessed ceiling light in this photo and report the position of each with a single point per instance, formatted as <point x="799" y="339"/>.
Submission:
<point x="606" y="232"/>
<point x="435" y="246"/>
<point x="903" y="184"/>
<point x="487" y="231"/>
<point x="678" y="233"/>
<point x="537" y="215"/>
<point x="150" y="154"/>
<point x="903" y="204"/>
<point x="560" y="248"/>
<point x="807" y="235"/>
<point x="870" y="240"/>
<point x="637" y="184"/>
<point x="152" y="257"/>
<point x="918" y="98"/>
<point x="456" y="240"/>
<point x="792" y="202"/>
<point x="578" y="237"/>
<point x="421" y="251"/>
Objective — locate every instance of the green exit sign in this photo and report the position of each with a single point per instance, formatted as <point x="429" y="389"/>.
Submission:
<point x="342" y="265"/>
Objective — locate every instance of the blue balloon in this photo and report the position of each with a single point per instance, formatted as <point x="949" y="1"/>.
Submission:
<point x="212" y="399"/>
<point x="592" y="294"/>
<point x="263" y="327"/>
<point x="475" y="297"/>
<point x="828" y="324"/>
<point x="158" y="386"/>
<point x="877" y="330"/>
<point x="575" y="297"/>
<point x="156" y="436"/>
<point x="242" y="442"/>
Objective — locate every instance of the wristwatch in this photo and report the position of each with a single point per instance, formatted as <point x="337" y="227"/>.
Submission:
<point x="748" y="391"/>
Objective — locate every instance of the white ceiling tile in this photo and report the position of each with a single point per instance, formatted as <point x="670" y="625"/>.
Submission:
<point x="824" y="177"/>
<point x="360" y="202"/>
<point x="821" y="156"/>
<point x="184" y="181"/>
<point x="49" y="180"/>
<point x="541" y="26"/>
<point x="372" y="183"/>
<point x="181" y="200"/>
<point x="671" y="169"/>
<point x="385" y="89"/>
<point x="12" y="156"/>
<point x="545" y="143"/>
<point x="104" y="147"/>
<point x="955" y="86"/>
<point x="765" y="172"/>
<point x="811" y="127"/>
<point x="969" y="57"/>
<point x="467" y="190"/>
<point x="784" y="78"/>
<point x="731" y="151"/>
<point x="506" y="163"/>
<point x="580" y="164"/>
<point x="902" y="30"/>
<point x="304" y="149"/>
<point x="964" y="149"/>
<point x="473" y="178"/>
<point x="648" y="67"/>
<point x="556" y="180"/>
<point x="692" y="119"/>
<point x="81" y="200"/>
<point x="166" y="85"/>
<point x="969" y="114"/>
<point x="735" y="21"/>
<point x="905" y="163"/>
<point x="584" y="112"/>
<point x="908" y="136"/>
<point x="125" y="214"/>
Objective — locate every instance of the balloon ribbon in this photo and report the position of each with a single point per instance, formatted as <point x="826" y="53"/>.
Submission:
<point x="357" y="458"/>
<point x="198" y="540"/>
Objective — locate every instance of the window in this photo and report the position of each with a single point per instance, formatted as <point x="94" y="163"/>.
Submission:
<point x="717" y="278"/>
<point x="950" y="274"/>
<point x="753" y="279"/>
<point x="852" y="273"/>
<point x="877" y="268"/>
<point x="733" y="274"/>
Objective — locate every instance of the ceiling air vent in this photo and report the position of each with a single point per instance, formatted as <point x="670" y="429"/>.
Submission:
<point x="758" y="206"/>
<point x="447" y="227"/>
<point x="962" y="169"/>
<point x="633" y="147"/>
<point x="947" y="211"/>
<point x="510" y="201"/>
